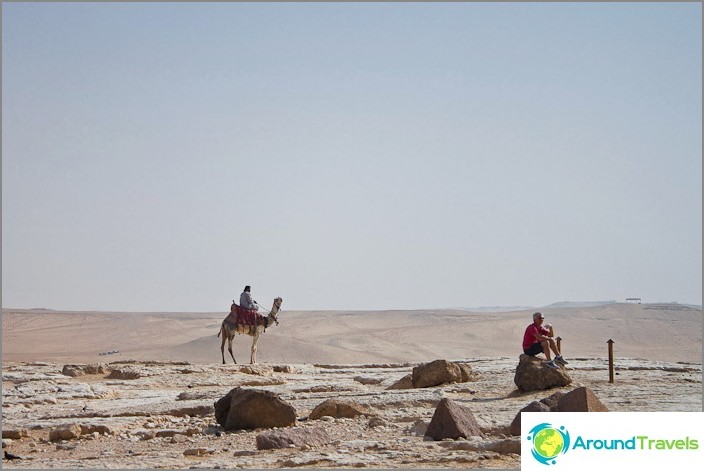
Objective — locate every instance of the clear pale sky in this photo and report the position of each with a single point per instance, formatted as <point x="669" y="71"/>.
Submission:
<point x="158" y="157"/>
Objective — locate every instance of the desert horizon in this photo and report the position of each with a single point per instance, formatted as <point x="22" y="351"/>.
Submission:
<point x="656" y="331"/>
<point x="136" y="390"/>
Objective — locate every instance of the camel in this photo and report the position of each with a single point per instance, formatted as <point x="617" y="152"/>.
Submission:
<point x="229" y="332"/>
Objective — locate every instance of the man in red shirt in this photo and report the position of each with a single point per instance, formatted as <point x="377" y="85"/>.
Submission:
<point x="538" y="339"/>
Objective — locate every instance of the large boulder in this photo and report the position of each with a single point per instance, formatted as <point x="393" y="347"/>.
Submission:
<point x="535" y="406"/>
<point x="251" y="409"/>
<point x="532" y="374"/>
<point x="581" y="400"/>
<point x="436" y="373"/>
<point x="452" y="420"/>
<point x="339" y="409"/>
<point x="297" y="437"/>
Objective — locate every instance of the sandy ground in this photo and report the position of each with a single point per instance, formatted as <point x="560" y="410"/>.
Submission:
<point x="161" y="416"/>
<point x="650" y="332"/>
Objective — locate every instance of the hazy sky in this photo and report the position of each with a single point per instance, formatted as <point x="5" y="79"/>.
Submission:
<point x="158" y="157"/>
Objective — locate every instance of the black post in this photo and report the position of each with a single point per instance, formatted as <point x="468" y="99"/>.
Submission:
<point x="611" y="360"/>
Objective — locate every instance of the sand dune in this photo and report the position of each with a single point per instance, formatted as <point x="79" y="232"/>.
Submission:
<point x="653" y="332"/>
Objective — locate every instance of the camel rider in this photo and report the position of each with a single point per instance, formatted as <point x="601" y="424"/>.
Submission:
<point x="246" y="300"/>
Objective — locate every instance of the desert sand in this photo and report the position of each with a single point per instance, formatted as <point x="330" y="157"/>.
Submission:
<point x="156" y="412"/>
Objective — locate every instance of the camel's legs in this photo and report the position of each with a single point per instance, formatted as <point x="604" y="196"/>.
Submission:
<point x="229" y="347"/>
<point x="222" y="345"/>
<point x="253" y="358"/>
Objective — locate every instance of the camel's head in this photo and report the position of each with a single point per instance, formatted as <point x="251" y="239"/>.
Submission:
<point x="276" y="309"/>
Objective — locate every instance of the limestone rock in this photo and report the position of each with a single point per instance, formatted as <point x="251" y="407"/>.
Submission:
<point x="532" y="374"/>
<point x="251" y="409"/>
<point x="436" y="373"/>
<point x="124" y="373"/>
<point x="452" y="420"/>
<point x="581" y="400"/>
<point x="298" y="437"/>
<point x="87" y="429"/>
<point x="79" y="370"/>
<point x="535" y="406"/>
<point x="257" y="370"/>
<point x="552" y="400"/>
<point x="65" y="432"/>
<point x="338" y="409"/>
<point x="404" y="383"/>
<point x="15" y="434"/>
<point x="504" y="447"/>
<point x="284" y="369"/>
<point x="466" y="372"/>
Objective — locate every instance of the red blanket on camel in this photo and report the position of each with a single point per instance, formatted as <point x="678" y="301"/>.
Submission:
<point x="241" y="316"/>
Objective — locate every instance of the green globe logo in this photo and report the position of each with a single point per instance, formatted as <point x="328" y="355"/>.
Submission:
<point x="548" y="442"/>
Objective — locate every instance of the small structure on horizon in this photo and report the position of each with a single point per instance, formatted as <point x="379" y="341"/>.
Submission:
<point x="633" y="300"/>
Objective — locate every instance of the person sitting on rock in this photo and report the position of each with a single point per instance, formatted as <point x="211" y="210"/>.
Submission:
<point x="539" y="339"/>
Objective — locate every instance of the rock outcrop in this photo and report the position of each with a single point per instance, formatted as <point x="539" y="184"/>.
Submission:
<point x="436" y="373"/>
<point x="581" y="400"/>
<point x="297" y="437"/>
<point x="452" y="420"/>
<point x="79" y="370"/>
<point x="339" y="409"/>
<point x="252" y="409"/>
<point x="532" y="374"/>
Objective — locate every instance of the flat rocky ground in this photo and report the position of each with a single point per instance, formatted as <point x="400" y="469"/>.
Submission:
<point x="160" y="414"/>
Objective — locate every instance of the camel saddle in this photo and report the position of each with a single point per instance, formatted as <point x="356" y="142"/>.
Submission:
<point x="241" y="316"/>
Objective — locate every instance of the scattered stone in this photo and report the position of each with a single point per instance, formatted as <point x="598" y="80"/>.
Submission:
<point x="145" y="434"/>
<point x="535" y="406"/>
<point x="452" y="420"/>
<point x="339" y="409"/>
<point x="194" y="411"/>
<point x="166" y="433"/>
<point x="436" y="373"/>
<point x="404" y="383"/>
<point x="15" y="434"/>
<point x="581" y="400"/>
<point x="251" y="409"/>
<point x="284" y="369"/>
<point x="197" y="451"/>
<point x="179" y="439"/>
<point x="297" y="437"/>
<point x="6" y="442"/>
<point x="532" y="374"/>
<point x="65" y="432"/>
<point x="376" y="422"/>
<point x="87" y="429"/>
